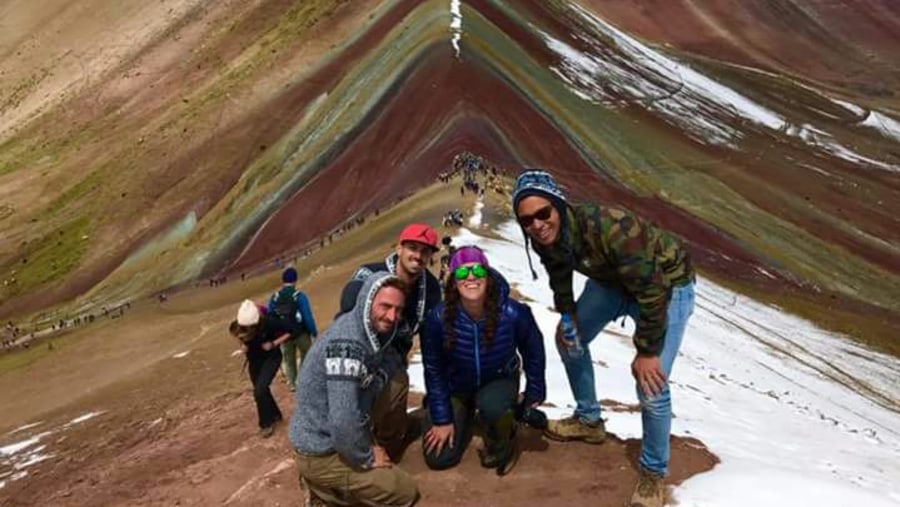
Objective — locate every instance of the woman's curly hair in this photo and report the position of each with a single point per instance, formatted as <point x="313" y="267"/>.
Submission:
<point x="452" y="306"/>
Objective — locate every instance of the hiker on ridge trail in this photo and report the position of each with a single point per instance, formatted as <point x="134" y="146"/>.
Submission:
<point x="449" y="249"/>
<point x="261" y="336"/>
<point x="634" y="268"/>
<point x="338" y="459"/>
<point x="416" y="246"/>
<point x="291" y="306"/>
<point x="471" y="356"/>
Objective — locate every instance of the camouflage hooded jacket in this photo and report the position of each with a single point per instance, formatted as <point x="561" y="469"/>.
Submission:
<point x="613" y="246"/>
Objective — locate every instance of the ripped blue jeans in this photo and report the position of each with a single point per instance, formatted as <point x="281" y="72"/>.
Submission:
<point x="597" y="306"/>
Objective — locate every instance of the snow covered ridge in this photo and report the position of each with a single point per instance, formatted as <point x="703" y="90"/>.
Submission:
<point x="798" y="415"/>
<point x="707" y="110"/>
<point x="17" y="457"/>
<point x="888" y="126"/>
<point x="884" y="124"/>
<point x="455" y="25"/>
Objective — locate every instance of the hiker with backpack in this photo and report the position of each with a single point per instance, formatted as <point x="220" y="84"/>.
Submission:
<point x="447" y="246"/>
<point x="409" y="262"/>
<point x="291" y="306"/>
<point x="338" y="460"/>
<point x="476" y="345"/>
<point x="261" y="336"/>
<point x="634" y="268"/>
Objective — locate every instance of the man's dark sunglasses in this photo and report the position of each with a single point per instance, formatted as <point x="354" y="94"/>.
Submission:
<point x="542" y="214"/>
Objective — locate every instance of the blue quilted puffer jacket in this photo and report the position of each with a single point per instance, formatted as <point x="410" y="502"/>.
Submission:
<point x="469" y="366"/>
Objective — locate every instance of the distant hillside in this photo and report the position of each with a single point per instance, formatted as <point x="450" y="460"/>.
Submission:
<point x="147" y="145"/>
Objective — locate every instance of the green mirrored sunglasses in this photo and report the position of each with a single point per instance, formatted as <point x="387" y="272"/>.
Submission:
<point x="462" y="272"/>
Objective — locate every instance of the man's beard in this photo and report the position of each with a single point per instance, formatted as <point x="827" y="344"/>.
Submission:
<point x="413" y="272"/>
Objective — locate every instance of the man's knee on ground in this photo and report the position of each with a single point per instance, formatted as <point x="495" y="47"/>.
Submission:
<point x="384" y="487"/>
<point x="447" y="458"/>
<point x="324" y="493"/>
<point x="405" y="495"/>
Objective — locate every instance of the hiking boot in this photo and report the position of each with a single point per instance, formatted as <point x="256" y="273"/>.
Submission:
<point x="499" y="442"/>
<point x="493" y="455"/>
<point x="649" y="491"/>
<point x="267" y="432"/>
<point x="573" y="428"/>
<point x="509" y="460"/>
<point x="502" y="457"/>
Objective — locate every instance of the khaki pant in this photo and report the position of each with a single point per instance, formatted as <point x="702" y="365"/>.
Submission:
<point x="291" y="363"/>
<point x="336" y="483"/>
<point x="389" y="417"/>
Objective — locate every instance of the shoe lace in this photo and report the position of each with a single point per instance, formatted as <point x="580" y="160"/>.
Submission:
<point x="572" y="421"/>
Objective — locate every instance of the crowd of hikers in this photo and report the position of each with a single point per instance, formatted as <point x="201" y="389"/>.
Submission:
<point x="13" y="337"/>
<point x="350" y="424"/>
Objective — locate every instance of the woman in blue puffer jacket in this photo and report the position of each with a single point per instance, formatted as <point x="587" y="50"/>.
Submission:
<point x="476" y="344"/>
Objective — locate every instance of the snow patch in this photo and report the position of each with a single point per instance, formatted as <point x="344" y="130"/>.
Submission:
<point x="475" y="219"/>
<point x="17" y="456"/>
<point x="11" y="449"/>
<point x="822" y="140"/>
<point x="853" y="108"/>
<point x="33" y="458"/>
<point x="766" y="273"/>
<point x="25" y="427"/>
<point x="887" y="126"/>
<point x="84" y="417"/>
<point x="182" y="354"/>
<point x="14" y="458"/>
<point x="455" y="25"/>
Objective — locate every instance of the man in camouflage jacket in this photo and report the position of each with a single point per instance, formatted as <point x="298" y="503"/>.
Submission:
<point x="633" y="268"/>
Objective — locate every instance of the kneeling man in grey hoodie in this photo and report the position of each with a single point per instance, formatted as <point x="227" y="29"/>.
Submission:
<point x="337" y="459"/>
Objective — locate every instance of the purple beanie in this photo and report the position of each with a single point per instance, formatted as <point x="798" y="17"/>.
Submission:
<point x="467" y="255"/>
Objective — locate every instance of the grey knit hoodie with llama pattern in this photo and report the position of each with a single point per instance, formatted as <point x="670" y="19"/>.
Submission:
<point x="340" y="378"/>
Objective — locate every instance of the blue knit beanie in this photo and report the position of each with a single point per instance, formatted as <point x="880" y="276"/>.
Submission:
<point x="541" y="183"/>
<point x="289" y="275"/>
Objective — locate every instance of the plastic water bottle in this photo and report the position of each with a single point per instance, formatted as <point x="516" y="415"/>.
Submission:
<point x="570" y="337"/>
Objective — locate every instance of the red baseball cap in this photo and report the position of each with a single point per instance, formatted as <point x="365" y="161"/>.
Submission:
<point x="420" y="233"/>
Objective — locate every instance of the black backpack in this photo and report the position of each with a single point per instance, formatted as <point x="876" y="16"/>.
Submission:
<point x="286" y="309"/>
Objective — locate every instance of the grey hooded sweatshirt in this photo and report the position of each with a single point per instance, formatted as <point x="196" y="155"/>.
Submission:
<point x="340" y="378"/>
